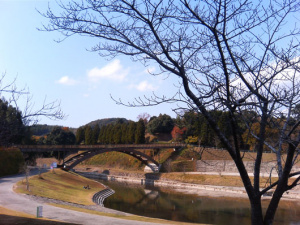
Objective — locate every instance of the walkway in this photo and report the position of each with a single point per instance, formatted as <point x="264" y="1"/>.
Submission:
<point x="18" y="202"/>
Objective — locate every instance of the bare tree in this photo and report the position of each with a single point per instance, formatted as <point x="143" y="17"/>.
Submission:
<point x="233" y="55"/>
<point x="13" y="117"/>
<point x="26" y="169"/>
<point x="144" y="116"/>
<point x="30" y="113"/>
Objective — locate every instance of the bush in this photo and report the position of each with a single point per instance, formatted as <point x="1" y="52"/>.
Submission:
<point x="191" y="140"/>
<point x="11" y="161"/>
<point x="191" y="153"/>
<point x="183" y="166"/>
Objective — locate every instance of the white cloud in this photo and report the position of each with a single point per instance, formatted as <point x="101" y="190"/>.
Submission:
<point x="65" y="80"/>
<point x="143" y="86"/>
<point x="112" y="71"/>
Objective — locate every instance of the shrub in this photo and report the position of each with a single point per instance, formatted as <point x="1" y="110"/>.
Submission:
<point x="11" y="160"/>
<point x="183" y="166"/>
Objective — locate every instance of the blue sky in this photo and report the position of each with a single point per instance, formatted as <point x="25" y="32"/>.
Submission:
<point x="66" y="71"/>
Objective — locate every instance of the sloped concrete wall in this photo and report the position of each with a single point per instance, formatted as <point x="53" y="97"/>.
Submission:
<point x="228" y="166"/>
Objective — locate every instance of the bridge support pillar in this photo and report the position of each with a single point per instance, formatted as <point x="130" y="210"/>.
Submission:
<point x="151" y="168"/>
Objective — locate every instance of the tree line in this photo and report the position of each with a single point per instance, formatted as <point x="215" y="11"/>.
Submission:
<point x="198" y="131"/>
<point x="189" y="127"/>
<point x="119" y="132"/>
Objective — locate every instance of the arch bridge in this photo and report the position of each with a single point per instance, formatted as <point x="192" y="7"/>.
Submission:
<point x="87" y="151"/>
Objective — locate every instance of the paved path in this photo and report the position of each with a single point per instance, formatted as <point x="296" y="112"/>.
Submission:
<point x="18" y="202"/>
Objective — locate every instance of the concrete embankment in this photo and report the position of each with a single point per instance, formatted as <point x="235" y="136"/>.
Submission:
<point x="100" y="196"/>
<point x="188" y="188"/>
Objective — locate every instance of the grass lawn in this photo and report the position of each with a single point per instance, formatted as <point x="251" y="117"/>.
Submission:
<point x="61" y="185"/>
<point x="217" y="180"/>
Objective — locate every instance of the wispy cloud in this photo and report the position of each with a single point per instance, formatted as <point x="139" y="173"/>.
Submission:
<point x="65" y="80"/>
<point x="143" y="86"/>
<point x="112" y="71"/>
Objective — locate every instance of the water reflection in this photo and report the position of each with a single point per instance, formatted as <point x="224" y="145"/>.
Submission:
<point x="166" y="204"/>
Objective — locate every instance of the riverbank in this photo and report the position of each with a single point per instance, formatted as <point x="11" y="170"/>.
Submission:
<point x="70" y="212"/>
<point x="188" y="183"/>
<point x="82" y="212"/>
<point x="193" y="205"/>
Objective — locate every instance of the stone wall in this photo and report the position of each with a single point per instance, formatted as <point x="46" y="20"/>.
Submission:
<point x="228" y="166"/>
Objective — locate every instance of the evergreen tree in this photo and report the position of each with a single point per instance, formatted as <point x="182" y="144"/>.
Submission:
<point x="96" y="131"/>
<point x="131" y="132"/>
<point x="12" y="129"/>
<point x="207" y="135"/>
<point x="109" y="134"/>
<point x="103" y="132"/>
<point x="124" y="131"/>
<point x="140" y="132"/>
<point x="223" y="123"/>
<point x="80" y="135"/>
<point x="117" y="134"/>
<point x="192" y="122"/>
<point x="296" y="112"/>
<point x="101" y="135"/>
<point x="88" y="135"/>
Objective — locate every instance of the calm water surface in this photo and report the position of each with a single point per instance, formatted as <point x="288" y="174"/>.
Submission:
<point x="170" y="205"/>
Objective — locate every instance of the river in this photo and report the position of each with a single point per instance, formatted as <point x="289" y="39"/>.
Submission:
<point x="170" y="205"/>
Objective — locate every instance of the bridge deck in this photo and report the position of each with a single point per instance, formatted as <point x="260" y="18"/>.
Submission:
<point x="47" y="148"/>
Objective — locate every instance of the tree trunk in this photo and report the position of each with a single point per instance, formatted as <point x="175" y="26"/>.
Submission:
<point x="282" y="184"/>
<point x="254" y="196"/>
<point x="256" y="212"/>
<point x="27" y="178"/>
<point x="270" y="213"/>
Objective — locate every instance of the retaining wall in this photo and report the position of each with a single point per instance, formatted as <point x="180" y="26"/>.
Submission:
<point x="153" y="180"/>
<point x="228" y="166"/>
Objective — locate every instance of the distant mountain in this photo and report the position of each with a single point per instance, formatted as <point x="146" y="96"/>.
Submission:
<point x="104" y="122"/>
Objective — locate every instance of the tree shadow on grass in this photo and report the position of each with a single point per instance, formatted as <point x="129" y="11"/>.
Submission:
<point x="10" y="220"/>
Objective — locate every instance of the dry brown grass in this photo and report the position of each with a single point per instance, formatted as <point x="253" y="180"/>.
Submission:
<point x="232" y="181"/>
<point x="62" y="185"/>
